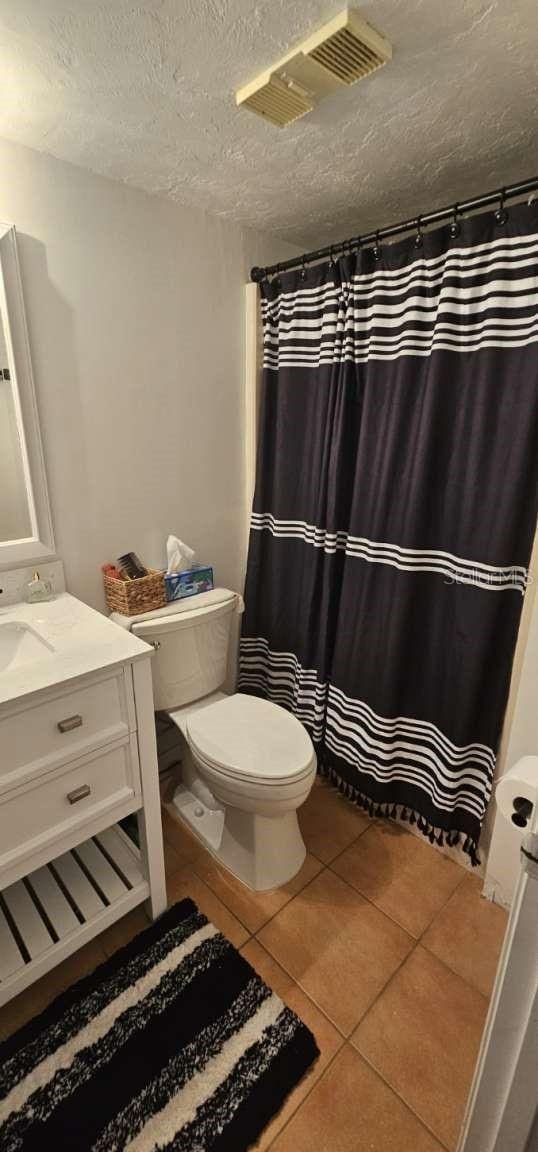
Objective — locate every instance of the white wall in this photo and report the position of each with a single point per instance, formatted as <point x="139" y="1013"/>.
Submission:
<point x="520" y="738"/>
<point x="136" y="317"/>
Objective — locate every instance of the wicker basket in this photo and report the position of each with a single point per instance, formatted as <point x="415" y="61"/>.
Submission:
<point x="130" y="597"/>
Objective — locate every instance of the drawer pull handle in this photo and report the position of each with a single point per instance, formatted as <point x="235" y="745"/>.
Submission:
<point x="79" y="793"/>
<point x="70" y="723"/>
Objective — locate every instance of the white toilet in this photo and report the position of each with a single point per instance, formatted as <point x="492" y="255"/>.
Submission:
<point x="247" y="764"/>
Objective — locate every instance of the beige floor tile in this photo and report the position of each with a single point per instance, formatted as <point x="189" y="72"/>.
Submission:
<point x="177" y="834"/>
<point x="39" y="995"/>
<point x="253" y="908"/>
<point x="328" y="822"/>
<point x="422" y="1035"/>
<point x="124" y="930"/>
<point x="187" y="883"/>
<point x="339" y="947"/>
<point x="350" y="1109"/>
<point x="468" y="935"/>
<point x="328" y="1039"/>
<point x="400" y="873"/>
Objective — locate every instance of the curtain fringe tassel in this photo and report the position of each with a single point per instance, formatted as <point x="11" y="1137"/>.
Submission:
<point x="435" y="835"/>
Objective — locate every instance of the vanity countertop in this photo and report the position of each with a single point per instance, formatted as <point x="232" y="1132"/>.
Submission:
<point x="82" y="641"/>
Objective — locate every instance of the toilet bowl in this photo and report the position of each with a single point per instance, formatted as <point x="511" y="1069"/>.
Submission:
<point x="247" y="764"/>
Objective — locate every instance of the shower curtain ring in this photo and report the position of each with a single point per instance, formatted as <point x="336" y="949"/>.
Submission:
<point x="419" y="240"/>
<point x="331" y="256"/>
<point x="377" y="247"/>
<point x="455" y="227"/>
<point x="276" y="277"/>
<point x="303" y="269"/>
<point x="501" y="214"/>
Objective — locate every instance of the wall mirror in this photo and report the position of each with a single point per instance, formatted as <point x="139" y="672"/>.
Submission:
<point x="25" y="521"/>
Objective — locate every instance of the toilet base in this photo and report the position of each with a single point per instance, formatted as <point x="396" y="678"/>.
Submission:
<point x="263" y="852"/>
<point x="206" y="823"/>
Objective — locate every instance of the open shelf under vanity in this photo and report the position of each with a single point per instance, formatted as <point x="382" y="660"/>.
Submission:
<point x="53" y="911"/>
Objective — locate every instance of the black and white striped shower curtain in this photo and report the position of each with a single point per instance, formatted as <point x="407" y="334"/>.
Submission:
<point x="394" y="512"/>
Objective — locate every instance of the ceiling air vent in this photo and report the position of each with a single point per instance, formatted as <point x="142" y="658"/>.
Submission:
<point x="340" y="53"/>
<point x="280" y="101"/>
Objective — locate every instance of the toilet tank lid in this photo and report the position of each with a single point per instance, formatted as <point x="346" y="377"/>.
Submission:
<point x="187" y="604"/>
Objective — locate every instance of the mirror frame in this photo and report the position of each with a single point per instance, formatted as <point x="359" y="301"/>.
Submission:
<point x="39" y="546"/>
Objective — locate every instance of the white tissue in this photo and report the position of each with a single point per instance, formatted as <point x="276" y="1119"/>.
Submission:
<point x="503" y="868"/>
<point x="179" y="556"/>
<point x="520" y="782"/>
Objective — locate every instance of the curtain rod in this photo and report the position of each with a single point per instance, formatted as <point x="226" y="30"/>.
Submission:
<point x="418" y="222"/>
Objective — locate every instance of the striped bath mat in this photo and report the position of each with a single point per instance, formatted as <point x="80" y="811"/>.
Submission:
<point x="173" y="1043"/>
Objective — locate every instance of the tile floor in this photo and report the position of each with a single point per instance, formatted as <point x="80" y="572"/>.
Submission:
<point x="385" y="949"/>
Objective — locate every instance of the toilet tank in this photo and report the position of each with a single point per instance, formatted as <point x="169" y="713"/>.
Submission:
<point x="191" y="638"/>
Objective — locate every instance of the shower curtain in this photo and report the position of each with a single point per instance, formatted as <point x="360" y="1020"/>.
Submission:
<point x="394" y="512"/>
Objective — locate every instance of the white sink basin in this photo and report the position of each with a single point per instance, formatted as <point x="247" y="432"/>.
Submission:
<point x="20" y="644"/>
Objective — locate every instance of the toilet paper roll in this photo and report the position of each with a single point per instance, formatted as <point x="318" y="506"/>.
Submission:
<point x="519" y="783"/>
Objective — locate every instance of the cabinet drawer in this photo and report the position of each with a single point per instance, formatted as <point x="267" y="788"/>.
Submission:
<point x="64" y="726"/>
<point x="33" y="816"/>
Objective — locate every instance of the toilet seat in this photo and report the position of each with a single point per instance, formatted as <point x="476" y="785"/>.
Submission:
<point x="248" y="779"/>
<point x="248" y="739"/>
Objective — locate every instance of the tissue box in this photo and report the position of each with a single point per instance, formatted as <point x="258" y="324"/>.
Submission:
<point x="180" y="584"/>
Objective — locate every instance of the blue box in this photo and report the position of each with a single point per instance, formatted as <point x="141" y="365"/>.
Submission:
<point x="181" y="584"/>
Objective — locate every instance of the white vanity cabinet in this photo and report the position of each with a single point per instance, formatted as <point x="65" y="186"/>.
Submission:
<point x="77" y="731"/>
<point x="77" y="754"/>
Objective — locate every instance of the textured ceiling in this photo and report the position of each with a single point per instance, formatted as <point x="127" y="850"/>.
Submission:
<point x="143" y="92"/>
